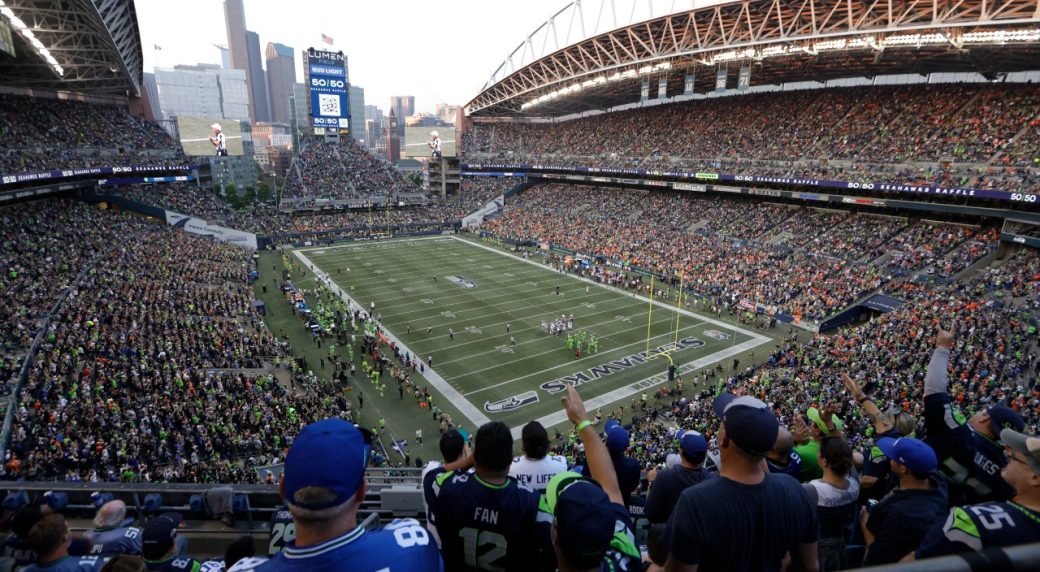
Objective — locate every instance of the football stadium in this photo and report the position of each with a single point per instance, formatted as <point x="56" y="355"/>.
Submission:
<point x="719" y="285"/>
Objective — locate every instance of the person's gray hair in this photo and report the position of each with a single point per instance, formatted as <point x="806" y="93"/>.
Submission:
<point x="110" y="515"/>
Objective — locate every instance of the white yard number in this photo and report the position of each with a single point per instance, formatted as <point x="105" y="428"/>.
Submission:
<point x="328" y="105"/>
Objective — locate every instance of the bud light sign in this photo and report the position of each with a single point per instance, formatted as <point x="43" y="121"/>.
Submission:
<point x="327" y="83"/>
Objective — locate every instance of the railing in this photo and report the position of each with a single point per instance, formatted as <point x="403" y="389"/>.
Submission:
<point x="1023" y="557"/>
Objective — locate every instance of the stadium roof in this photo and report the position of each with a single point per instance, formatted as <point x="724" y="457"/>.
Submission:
<point x="779" y="41"/>
<point x="89" y="46"/>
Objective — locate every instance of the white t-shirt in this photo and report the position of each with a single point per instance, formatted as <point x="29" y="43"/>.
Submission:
<point x="537" y="472"/>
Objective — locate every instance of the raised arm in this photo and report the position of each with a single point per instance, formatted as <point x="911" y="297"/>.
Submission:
<point x="596" y="454"/>
<point x="870" y="409"/>
<point x="936" y="379"/>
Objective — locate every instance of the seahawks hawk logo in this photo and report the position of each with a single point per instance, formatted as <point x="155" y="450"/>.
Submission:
<point x="511" y="403"/>
<point x="462" y="281"/>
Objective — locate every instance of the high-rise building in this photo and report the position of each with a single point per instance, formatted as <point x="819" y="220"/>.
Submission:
<point x="281" y="75"/>
<point x="235" y="20"/>
<point x="225" y="56"/>
<point x="256" y="79"/>
<point x="356" y="96"/>
<point x="204" y="90"/>
<point x="403" y="106"/>
<point x="393" y="139"/>
<point x="300" y="123"/>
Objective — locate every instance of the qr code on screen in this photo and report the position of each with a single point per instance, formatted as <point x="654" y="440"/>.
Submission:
<point x="328" y="104"/>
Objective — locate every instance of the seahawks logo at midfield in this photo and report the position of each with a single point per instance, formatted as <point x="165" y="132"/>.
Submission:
<point x="462" y="281"/>
<point x="511" y="403"/>
<point x="716" y="334"/>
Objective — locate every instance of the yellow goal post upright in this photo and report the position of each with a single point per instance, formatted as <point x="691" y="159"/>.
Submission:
<point x="666" y="354"/>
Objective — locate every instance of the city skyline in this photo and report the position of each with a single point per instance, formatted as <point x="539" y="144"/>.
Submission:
<point x="410" y="54"/>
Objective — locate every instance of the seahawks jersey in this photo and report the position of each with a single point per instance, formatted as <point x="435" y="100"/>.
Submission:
<point x="623" y="553"/>
<point x="537" y="472"/>
<point x="981" y="526"/>
<point x="970" y="461"/>
<point x="403" y="545"/>
<point x="70" y="564"/>
<point x="124" y="540"/>
<point x="793" y="468"/>
<point x="484" y="526"/>
<point x="174" y="564"/>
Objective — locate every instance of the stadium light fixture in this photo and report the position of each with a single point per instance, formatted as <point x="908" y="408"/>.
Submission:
<point x="24" y="30"/>
<point x="1001" y="37"/>
<point x="914" y="40"/>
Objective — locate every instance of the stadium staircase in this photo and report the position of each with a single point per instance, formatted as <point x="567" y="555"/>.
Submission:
<point x="1025" y="128"/>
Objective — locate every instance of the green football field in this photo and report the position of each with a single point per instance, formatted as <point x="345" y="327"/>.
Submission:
<point x="479" y="290"/>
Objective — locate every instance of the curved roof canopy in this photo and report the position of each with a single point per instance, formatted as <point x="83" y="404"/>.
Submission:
<point x="90" y="46"/>
<point x="778" y="41"/>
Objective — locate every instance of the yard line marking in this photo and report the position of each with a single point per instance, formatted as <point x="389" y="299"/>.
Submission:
<point x="468" y="410"/>
<point x="565" y="364"/>
<point x="641" y="385"/>
<point x="620" y="291"/>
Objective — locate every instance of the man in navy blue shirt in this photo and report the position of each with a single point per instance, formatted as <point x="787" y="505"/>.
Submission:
<point x="159" y="545"/>
<point x="896" y="525"/>
<point x="627" y="469"/>
<point x="782" y="459"/>
<point x="970" y="454"/>
<point x="488" y="520"/>
<point x="989" y="524"/>
<point x="323" y="486"/>
<point x="669" y="484"/>
<point x="748" y="518"/>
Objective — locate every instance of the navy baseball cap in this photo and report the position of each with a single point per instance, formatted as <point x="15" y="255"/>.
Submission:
<point x="330" y="454"/>
<point x="617" y="439"/>
<point x="693" y="445"/>
<point x="583" y="514"/>
<point x="1002" y="417"/>
<point x="912" y="453"/>
<point x="748" y="421"/>
<point x="159" y="535"/>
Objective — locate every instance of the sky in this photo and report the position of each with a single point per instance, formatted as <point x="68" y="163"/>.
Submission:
<point x="440" y="52"/>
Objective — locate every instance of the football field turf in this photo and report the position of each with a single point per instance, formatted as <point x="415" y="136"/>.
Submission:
<point x="480" y="289"/>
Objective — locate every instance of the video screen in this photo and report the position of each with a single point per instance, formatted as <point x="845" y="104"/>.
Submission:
<point x="195" y="133"/>
<point x="418" y="140"/>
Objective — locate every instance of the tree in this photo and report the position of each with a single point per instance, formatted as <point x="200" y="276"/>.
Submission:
<point x="231" y="194"/>
<point x="249" y="197"/>
<point x="264" y="194"/>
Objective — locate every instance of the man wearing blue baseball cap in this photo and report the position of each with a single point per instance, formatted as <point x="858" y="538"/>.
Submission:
<point x="995" y="524"/>
<point x="970" y="453"/>
<point x="627" y="469"/>
<point x="748" y="518"/>
<point x="591" y="528"/>
<point x="323" y="486"/>
<point x="669" y="484"/>
<point x="896" y="525"/>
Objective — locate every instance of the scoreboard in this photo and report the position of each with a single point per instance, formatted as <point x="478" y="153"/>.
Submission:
<point x="327" y="83"/>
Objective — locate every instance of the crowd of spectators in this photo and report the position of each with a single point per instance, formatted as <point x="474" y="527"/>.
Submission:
<point x="808" y="263"/>
<point x="38" y="134"/>
<point x="156" y="367"/>
<point x="906" y="134"/>
<point x="343" y="170"/>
